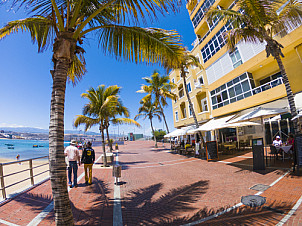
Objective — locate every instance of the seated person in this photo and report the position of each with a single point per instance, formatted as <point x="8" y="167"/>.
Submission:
<point x="291" y="141"/>
<point x="277" y="142"/>
<point x="188" y="145"/>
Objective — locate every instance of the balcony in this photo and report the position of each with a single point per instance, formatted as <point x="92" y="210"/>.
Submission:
<point x="267" y="86"/>
<point x="265" y="93"/>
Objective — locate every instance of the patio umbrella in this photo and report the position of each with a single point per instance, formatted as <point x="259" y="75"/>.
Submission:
<point x="180" y="132"/>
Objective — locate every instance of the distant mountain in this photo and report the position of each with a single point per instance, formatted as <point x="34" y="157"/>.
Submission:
<point x="38" y="130"/>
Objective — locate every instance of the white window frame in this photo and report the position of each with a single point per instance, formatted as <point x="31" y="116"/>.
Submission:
<point x="238" y="60"/>
<point x="203" y="105"/>
<point x="176" y="116"/>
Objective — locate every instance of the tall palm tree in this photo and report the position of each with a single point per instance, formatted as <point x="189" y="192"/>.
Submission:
<point x="149" y="110"/>
<point x="160" y="87"/>
<point x="65" y="25"/>
<point x="187" y="61"/>
<point x="103" y="103"/>
<point x="259" y="21"/>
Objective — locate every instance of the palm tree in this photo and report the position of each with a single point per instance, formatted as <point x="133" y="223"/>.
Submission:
<point x="111" y="118"/>
<point x="65" y="25"/>
<point x="259" y="21"/>
<point x="149" y="110"/>
<point x="187" y="61"/>
<point x="161" y="87"/>
<point x="103" y="104"/>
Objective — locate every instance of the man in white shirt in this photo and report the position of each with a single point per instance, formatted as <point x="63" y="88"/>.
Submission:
<point x="73" y="156"/>
<point x="277" y="142"/>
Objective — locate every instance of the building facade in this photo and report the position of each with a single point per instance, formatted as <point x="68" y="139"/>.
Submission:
<point x="235" y="82"/>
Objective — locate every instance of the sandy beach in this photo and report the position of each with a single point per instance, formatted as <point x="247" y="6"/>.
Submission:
<point x="39" y="166"/>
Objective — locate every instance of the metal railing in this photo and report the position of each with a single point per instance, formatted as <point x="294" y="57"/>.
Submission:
<point x="31" y="177"/>
<point x="267" y="86"/>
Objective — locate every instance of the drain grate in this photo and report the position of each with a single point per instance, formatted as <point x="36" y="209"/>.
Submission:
<point x="260" y="187"/>
<point x="253" y="200"/>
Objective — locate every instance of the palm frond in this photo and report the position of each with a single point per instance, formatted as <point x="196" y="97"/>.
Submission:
<point x="128" y="121"/>
<point x="87" y="121"/>
<point x="141" y="45"/>
<point x="40" y="29"/>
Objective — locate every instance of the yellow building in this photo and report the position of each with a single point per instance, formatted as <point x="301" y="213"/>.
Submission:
<point x="237" y="82"/>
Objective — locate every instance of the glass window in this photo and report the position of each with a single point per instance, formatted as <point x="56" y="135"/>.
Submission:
<point x="233" y="100"/>
<point x="240" y="97"/>
<point x="200" y="80"/>
<point x="230" y="83"/>
<point x="245" y="86"/>
<point x="236" y="80"/>
<point x="176" y="116"/>
<point x="189" y="87"/>
<point x="224" y="95"/>
<point x="213" y="92"/>
<point x="214" y="101"/>
<point x="190" y="111"/>
<point x="185" y="112"/>
<point x="243" y="76"/>
<point x="248" y="94"/>
<point x="231" y="92"/>
<point x="222" y="87"/>
<point x="238" y="89"/>
<point x="173" y="80"/>
<point x="219" y="98"/>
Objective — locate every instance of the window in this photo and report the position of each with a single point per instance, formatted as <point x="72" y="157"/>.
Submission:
<point x="201" y="12"/>
<point x="236" y="58"/>
<point x="189" y="87"/>
<point x="173" y="80"/>
<point x="184" y="112"/>
<point x="204" y="105"/>
<point x="200" y="80"/>
<point x="215" y="44"/>
<point x="176" y="116"/>
<point x="270" y="78"/>
<point x="181" y="93"/>
<point x="234" y="90"/>
<point x="190" y="111"/>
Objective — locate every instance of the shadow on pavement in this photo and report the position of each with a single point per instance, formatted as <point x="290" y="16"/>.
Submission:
<point x="244" y="215"/>
<point x="96" y="208"/>
<point x="125" y="165"/>
<point x="139" y="208"/>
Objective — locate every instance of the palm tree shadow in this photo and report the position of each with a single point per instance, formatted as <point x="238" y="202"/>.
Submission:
<point x="100" y="209"/>
<point x="271" y="214"/>
<point x="140" y="208"/>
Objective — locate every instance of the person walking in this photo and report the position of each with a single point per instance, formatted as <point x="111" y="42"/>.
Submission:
<point x="73" y="155"/>
<point x="88" y="158"/>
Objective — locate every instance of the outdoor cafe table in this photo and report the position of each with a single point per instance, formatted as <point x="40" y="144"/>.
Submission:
<point x="284" y="149"/>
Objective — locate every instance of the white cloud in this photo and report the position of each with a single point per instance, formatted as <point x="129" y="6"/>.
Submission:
<point x="3" y="124"/>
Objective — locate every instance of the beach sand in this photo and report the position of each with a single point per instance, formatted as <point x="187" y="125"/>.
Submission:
<point x="39" y="166"/>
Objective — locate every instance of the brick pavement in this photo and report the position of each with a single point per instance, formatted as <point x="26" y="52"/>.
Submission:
<point x="168" y="189"/>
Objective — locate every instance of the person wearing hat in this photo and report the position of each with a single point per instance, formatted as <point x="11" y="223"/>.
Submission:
<point x="88" y="158"/>
<point x="73" y="155"/>
<point x="277" y="142"/>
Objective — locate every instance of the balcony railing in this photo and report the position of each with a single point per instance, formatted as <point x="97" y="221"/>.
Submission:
<point x="267" y="86"/>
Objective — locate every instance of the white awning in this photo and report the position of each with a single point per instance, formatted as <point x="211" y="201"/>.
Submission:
<point x="239" y="124"/>
<point x="179" y="132"/>
<point x="259" y="113"/>
<point x="298" y="115"/>
<point x="212" y="124"/>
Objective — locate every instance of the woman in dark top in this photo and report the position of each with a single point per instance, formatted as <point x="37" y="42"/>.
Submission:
<point x="88" y="158"/>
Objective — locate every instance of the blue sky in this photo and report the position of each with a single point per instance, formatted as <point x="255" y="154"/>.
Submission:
<point x="25" y="81"/>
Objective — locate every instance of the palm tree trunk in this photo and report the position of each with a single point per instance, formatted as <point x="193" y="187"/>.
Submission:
<point x="191" y="107"/>
<point x="109" y="143"/>
<point x="103" y="145"/>
<point x="57" y="165"/>
<point x="153" y="133"/>
<point x="289" y="92"/>
<point x="162" y="112"/>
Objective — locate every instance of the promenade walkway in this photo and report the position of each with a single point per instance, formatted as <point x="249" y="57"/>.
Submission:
<point x="161" y="188"/>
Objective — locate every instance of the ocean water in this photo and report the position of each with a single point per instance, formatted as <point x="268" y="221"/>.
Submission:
<point x="24" y="148"/>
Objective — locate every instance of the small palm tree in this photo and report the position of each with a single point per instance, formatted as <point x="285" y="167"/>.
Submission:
<point x="160" y="87"/>
<point x="149" y="110"/>
<point x="102" y="103"/>
<point x="187" y="61"/>
<point x="259" y="21"/>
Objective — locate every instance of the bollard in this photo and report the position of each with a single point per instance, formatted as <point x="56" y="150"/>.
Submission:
<point x="116" y="146"/>
<point x="117" y="172"/>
